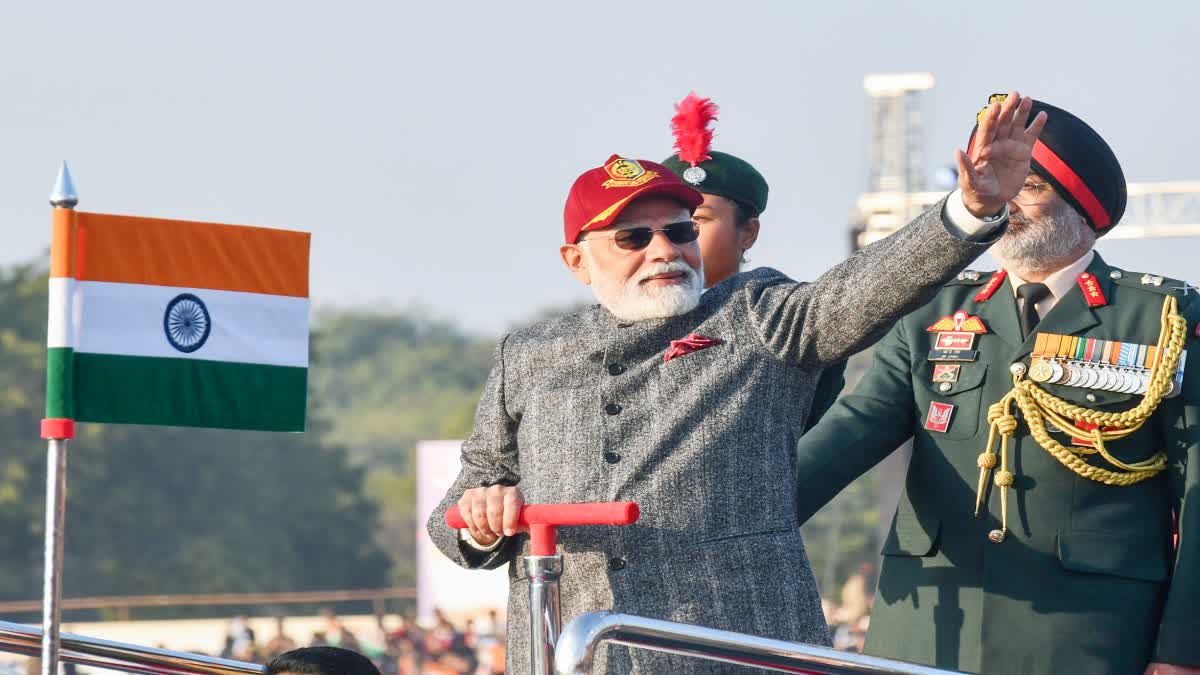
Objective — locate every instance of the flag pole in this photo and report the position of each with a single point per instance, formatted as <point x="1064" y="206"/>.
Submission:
<point x="57" y="431"/>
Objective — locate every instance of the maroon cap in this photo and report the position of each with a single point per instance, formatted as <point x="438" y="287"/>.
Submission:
<point x="599" y="195"/>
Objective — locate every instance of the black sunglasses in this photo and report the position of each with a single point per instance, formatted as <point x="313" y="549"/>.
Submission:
<point x="638" y="238"/>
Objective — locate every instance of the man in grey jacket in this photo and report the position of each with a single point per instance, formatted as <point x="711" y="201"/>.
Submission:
<point x="691" y="405"/>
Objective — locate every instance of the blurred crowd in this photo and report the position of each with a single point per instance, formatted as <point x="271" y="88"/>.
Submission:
<point x="850" y="616"/>
<point x="398" y="645"/>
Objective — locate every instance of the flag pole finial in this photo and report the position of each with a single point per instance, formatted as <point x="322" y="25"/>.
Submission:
<point x="63" y="195"/>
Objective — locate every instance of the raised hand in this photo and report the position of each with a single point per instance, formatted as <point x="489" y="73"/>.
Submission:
<point x="999" y="161"/>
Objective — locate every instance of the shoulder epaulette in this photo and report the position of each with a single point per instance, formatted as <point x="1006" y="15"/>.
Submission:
<point x="1154" y="283"/>
<point x="969" y="278"/>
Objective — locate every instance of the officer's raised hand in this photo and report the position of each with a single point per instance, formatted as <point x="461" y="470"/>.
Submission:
<point x="999" y="161"/>
<point x="491" y="512"/>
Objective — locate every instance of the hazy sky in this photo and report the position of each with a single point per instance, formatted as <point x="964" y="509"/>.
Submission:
<point x="429" y="147"/>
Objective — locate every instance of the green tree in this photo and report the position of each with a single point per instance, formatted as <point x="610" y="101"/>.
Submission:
<point x="168" y="510"/>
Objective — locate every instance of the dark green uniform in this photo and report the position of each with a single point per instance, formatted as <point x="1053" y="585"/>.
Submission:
<point x="1088" y="579"/>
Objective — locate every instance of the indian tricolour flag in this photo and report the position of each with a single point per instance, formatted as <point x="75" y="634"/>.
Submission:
<point x="177" y="323"/>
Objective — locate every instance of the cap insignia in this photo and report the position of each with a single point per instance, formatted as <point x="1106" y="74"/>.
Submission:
<point x="627" y="173"/>
<point x="695" y="175"/>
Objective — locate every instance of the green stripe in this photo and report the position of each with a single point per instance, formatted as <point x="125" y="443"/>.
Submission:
<point x="189" y="393"/>
<point x="59" y="397"/>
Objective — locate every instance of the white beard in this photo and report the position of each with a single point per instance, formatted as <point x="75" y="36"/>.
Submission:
<point x="630" y="300"/>
<point x="1043" y="245"/>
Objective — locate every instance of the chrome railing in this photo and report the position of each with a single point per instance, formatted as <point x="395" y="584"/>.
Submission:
<point x="577" y="645"/>
<point x="17" y="638"/>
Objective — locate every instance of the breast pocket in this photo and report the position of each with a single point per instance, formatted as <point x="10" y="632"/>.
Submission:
<point x="965" y="394"/>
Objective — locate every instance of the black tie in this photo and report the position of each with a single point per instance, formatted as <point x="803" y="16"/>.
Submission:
<point x="1031" y="295"/>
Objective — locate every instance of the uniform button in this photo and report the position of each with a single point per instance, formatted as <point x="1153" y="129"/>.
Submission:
<point x="1017" y="369"/>
<point x="616" y="564"/>
<point x="1091" y="398"/>
<point x="615" y="369"/>
<point x="1115" y="274"/>
<point x="612" y="409"/>
<point x="945" y="386"/>
<point x="611" y="457"/>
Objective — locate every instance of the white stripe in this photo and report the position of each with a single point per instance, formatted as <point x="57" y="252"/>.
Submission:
<point x="58" y="328"/>
<point x="127" y="319"/>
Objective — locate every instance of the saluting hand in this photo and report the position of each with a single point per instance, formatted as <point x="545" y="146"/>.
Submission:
<point x="491" y="512"/>
<point x="999" y="161"/>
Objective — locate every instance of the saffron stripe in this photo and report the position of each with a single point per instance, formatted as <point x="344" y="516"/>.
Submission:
<point x="154" y="251"/>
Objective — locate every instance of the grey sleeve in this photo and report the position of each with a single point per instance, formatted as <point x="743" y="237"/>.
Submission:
<point x="851" y="306"/>
<point x="489" y="457"/>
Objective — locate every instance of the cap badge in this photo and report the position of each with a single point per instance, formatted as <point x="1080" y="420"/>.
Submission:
<point x="994" y="98"/>
<point x="695" y="175"/>
<point x="624" y="172"/>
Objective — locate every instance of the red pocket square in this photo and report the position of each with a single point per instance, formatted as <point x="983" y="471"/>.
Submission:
<point x="689" y="344"/>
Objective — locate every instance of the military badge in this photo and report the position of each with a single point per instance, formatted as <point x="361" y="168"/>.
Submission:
<point x="946" y="372"/>
<point x="954" y="340"/>
<point x="960" y="321"/>
<point x="939" y="415"/>
<point x="624" y="172"/>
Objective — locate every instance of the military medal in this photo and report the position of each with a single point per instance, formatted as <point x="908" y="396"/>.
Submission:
<point x="1096" y="363"/>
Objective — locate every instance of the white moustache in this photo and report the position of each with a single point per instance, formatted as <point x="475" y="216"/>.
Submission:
<point x="666" y="268"/>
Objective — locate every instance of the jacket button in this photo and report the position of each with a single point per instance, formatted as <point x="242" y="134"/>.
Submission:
<point x="616" y="564"/>
<point x="611" y="457"/>
<point x="615" y="369"/>
<point x="612" y="409"/>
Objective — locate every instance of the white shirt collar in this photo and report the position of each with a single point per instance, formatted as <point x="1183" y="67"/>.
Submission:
<point x="1061" y="282"/>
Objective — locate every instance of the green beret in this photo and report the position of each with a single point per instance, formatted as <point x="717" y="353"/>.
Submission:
<point x="726" y="176"/>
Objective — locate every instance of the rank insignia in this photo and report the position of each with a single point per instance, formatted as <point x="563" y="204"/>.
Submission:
<point x="1091" y="290"/>
<point x="989" y="289"/>
<point x="959" y="321"/>
<point x="946" y="372"/>
<point x="938" y="418"/>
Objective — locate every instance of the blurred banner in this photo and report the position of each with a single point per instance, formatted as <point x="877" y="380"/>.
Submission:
<point x="440" y="583"/>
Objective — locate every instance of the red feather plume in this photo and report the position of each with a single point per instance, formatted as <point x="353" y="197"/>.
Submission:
<point x="693" y="138"/>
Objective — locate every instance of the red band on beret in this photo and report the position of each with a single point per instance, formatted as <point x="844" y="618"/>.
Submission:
<point x="1071" y="181"/>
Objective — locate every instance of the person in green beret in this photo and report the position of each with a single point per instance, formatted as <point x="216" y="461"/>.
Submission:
<point x="735" y="195"/>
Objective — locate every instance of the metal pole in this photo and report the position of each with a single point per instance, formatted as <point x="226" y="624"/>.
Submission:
<point x="121" y="656"/>
<point x="56" y="511"/>
<point x="56" y="429"/>
<point x="582" y="637"/>
<point x="544" y="610"/>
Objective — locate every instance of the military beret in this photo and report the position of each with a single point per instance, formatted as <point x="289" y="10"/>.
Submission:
<point x="725" y="176"/>
<point x="1076" y="161"/>
<point x="711" y="172"/>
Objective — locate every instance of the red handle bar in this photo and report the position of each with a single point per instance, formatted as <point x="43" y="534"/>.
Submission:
<point x="542" y="519"/>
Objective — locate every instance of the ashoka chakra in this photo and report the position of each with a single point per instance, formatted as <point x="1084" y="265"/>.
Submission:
<point x="187" y="323"/>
